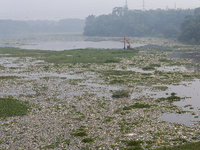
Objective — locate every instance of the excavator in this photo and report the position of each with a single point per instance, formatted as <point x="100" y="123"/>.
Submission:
<point x="128" y="47"/>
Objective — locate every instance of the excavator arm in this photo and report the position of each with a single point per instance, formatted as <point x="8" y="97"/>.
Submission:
<point x="128" y="47"/>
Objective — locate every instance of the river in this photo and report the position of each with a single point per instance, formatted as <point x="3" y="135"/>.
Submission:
<point x="59" y="42"/>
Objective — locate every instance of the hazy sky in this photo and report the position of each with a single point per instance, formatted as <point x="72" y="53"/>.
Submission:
<point x="63" y="9"/>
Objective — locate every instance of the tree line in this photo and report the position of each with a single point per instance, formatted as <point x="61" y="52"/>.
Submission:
<point x="14" y="28"/>
<point x="190" y="28"/>
<point x="138" y="23"/>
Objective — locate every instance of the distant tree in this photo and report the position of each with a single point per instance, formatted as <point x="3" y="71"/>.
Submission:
<point x="118" y="11"/>
<point x="170" y="31"/>
<point x="124" y="22"/>
<point x="88" y="29"/>
<point x="197" y="11"/>
<point x="17" y="29"/>
<point x="190" y="28"/>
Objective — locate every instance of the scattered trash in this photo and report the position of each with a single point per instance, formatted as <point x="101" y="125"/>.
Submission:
<point x="130" y="134"/>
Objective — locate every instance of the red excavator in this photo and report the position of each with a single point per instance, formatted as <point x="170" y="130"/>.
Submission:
<point x="128" y="47"/>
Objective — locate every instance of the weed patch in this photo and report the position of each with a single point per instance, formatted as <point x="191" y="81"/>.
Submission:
<point x="8" y="77"/>
<point x="88" y="140"/>
<point x="170" y="99"/>
<point x="148" y="68"/>
<point x="121" y="94"/>
<point x="117" y="72"/>
<point x="136" y="105"/>
<point x="76" y="56"/>
<point x="162" y="88"/>
<point x="81" y="134"/>
<point x="154" y="65"/>
<point x="11" y="107"/>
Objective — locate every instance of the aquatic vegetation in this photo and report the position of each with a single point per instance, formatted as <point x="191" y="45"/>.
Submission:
<point x="108" y="119"/>
<point x="77" y="56"/>
<point x="154" y="65"/>
<point x="173" y="98"/>
<point x="121" y="94"/>
<point x="148" y="68"/>
<point x="81" y="134"/>
<point x="11" y="107"/>
<point x="162" y="88"/>
<point x="2" y="67"/>
<point x="117" y="81"/>
<point x="75" y="81"/>
<point x="8" y="77"/>
<point x="88" y="140"/>
<point x="165" y="60"/>
<point x="111" y="61"/>
<point x="136" y="105"/>
<point x="170" y="99"/>
<point x="116" y="73"/>
<point x="134" y="143"/>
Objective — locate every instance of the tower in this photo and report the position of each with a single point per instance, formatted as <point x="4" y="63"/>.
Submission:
<point x="143" y="5"/>
<point x="126" y="5"/>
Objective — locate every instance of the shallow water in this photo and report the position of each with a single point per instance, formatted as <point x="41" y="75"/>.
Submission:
<point x="175" y="68"/>
<point x="190" y="91"/>
<point x="60" y="42"/>
<point x="195" y="55"/>
<point x="44" y="74"/>
<point x="186" y="119"/>
<point x="58" y="46"/>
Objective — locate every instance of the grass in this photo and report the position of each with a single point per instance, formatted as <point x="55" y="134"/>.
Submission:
<point x="133" y="145"/>
<point x="187" y="146"/>
<point x="136" y="105"/>
<point x="117" y="82"/>
<point x="162" y="88"/>
<point x="173" y="98"/>
<point x="155" y="65"/>
<point x="81" y="134"/>
<point x="88" y="140"/>
<point x="170" y="99"/>
<point x="77" y="56"/>
<point x="108" y="119"/>
<point x="121" y="94"/>
<point x="148" y="68"/>
<point x="116" y="72"/>
<point x="11" y="107"/>
<point x="8" y="77"/>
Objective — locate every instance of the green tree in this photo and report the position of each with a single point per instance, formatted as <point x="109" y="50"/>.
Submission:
<point x="124" y="22"/>
<point x="190" y="28"/>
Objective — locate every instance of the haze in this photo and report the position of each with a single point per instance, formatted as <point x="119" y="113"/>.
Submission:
<point x="64" y="9"/>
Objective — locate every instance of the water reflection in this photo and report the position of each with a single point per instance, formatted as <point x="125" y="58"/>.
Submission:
<point x="60" y="42"/>
<point x="186" y="119"/>
<point x="190" y="93"/>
